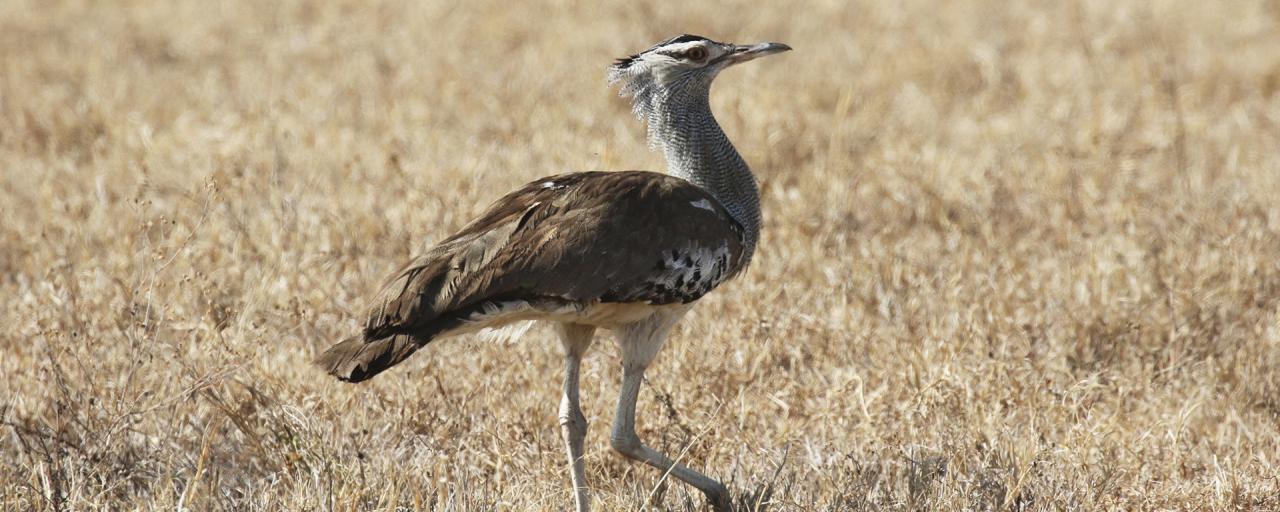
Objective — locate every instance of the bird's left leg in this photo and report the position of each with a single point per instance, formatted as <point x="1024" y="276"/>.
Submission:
<point x="576" y="339"/>
<point x="639" y="345"/>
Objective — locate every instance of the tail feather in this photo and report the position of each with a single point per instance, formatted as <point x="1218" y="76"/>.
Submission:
<point x="356" y="360"/>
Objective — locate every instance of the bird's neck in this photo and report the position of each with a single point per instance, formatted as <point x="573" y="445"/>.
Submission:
<point x="699" y="151"/>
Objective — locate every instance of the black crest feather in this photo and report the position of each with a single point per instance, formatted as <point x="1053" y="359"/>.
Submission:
<point x="625" y="62"/>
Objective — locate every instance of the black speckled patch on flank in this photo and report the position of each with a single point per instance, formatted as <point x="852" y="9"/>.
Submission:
<point x="675" y="280"/>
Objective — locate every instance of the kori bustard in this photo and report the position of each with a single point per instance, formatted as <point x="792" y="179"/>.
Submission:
<point x="624" y="251"/>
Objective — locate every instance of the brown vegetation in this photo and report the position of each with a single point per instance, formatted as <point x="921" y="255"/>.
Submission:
<point x="1018" y="255"/>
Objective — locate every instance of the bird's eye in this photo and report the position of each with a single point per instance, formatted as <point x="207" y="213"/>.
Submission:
<point x="696" y="54"/>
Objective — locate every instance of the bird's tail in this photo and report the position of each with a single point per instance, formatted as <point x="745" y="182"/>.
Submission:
<point x="358" y="358"/>
<point x="355" y="359"/>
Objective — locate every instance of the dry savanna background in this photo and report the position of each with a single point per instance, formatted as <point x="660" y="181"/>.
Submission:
<point x="1017" y="256"/>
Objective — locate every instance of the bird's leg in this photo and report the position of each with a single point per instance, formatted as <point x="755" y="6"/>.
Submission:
<point x="625" y="441"/>
<point x="576" y="340"/>
<point x="637" y="352"/>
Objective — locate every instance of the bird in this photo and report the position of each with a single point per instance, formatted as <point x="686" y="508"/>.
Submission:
<point x="623" y="251"/>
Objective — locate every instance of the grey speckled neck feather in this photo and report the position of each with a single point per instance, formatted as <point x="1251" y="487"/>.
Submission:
<point x="677" y="110"/>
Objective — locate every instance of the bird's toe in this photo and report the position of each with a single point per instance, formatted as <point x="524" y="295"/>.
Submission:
<point x="720" y="499"/>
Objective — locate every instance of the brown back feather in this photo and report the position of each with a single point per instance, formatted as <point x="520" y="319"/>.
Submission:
<point x="578" y="238"/>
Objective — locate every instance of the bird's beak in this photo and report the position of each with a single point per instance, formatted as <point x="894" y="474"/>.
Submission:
<point x="743" y="53"/>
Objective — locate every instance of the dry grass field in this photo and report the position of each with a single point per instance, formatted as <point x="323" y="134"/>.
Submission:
<point x="1017" y="256"/>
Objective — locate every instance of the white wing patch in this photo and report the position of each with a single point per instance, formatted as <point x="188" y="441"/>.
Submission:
<point x="506" y="334"/>
<point x="704" y="204"/>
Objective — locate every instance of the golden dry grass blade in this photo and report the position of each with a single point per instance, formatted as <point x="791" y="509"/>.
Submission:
<point x="1016" y="256"/>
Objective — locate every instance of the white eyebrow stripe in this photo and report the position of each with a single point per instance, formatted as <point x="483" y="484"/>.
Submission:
<point x="681" y="47"/>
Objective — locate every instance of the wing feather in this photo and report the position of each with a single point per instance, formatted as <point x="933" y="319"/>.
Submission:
<point x="578" y="238"/>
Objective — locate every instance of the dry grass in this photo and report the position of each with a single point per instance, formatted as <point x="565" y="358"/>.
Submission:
<point x="1017" y="256"/>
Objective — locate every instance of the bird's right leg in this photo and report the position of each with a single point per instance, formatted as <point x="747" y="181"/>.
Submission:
<point x="576" y="339"/>
<point x="640" y="343"/>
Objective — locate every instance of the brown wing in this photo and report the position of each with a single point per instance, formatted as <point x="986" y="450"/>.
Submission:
<point x="578" y="238"/>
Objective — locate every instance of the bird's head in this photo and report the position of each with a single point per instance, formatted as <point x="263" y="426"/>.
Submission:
<point x="683" y="64"/>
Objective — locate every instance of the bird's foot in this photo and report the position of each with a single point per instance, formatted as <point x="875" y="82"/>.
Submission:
<point x="721" y="500"/>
